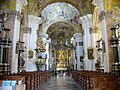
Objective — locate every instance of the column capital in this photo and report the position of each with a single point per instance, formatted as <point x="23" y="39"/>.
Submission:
<point x="27" y="30"/>
<point x="85" y="19"/>
<point x="15" y="13"/>
<point x="34" y="19"/>
<point x="81" y="20"/>
<point x="89" y="16"/>
<point x="97" y="2"/>
<point x="22" y="2"/>
<point x="44" y="35"/>
<point x="78" y="36"/>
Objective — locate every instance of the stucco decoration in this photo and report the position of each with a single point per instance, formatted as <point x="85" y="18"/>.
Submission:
<point x="7" y="4"/>
<point x="109" y="4"/>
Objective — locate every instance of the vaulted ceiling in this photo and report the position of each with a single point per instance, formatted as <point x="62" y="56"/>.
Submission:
<point x="60" y="11"/>
<point x="60" y="21"/>
<point x="60" y="30"/>
<point x="84" y="6"/>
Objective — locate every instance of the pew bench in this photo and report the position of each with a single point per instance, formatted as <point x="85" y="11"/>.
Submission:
<point x="20" y="82"/>
<point x="92" y="80"/>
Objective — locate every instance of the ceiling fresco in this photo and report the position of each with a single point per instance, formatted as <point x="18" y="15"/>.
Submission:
<point x="60" y="29"/>
<point x="60" y="12"/>
<point x="60" y="32"/>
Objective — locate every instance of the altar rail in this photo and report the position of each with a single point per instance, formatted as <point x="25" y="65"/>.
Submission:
<point x="31" y="80"/>
<point x="92" y="80"/>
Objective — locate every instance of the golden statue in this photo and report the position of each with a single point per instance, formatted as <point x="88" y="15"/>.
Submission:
<point x="61" y="55"/>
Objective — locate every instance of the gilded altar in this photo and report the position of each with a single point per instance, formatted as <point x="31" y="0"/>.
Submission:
<point x="61" y="59"/>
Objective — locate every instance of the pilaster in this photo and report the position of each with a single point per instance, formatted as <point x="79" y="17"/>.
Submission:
<point x="13" y="23"/>
<point x="79" y="49"/>
<point x="26" y="40"/>
<point x="86" y="24"/>
<point x="100" y="5"/>
<point x="33" y="23"/>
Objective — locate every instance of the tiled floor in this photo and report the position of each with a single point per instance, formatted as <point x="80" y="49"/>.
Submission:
<point x="61" y="83"/>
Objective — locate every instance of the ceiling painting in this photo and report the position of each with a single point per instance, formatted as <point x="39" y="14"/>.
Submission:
<point x="60" y="33"/>
<point x="60" y="12"/>
<point x="84" y="6"/>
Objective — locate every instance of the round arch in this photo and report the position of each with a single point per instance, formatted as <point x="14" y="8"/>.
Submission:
<point x="72" y="2"/>
<point x="70" y="24"/>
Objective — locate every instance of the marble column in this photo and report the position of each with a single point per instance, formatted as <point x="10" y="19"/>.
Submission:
<point x="33" y="23"/>
<point x="85" y="21"/>
<point x="79" y="50"/>
<point x="100" y="5"/>
<point x="94" y="38"/>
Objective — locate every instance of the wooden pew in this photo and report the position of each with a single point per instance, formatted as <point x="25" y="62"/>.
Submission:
<point x="17" y="79"/>
<point x="27" y="80"/>
<point x="32" y="80"/>
<point x="91" y="80"/>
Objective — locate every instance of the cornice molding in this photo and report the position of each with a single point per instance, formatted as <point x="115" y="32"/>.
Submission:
<point x="78" y="36"/>
<point x="34" y="19"/>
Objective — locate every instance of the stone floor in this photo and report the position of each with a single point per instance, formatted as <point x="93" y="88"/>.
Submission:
<point x="61" y="83"/>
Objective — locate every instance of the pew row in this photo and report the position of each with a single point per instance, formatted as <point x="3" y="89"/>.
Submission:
<point x="31" y="80"/>
<point x="92" y="80"/>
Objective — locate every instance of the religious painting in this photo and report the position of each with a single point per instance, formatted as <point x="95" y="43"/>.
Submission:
<point x="90" y="53"/>
<point x="30" y="54"/>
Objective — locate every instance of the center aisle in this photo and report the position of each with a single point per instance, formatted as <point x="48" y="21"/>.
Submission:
<point x="61" y="83"/>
